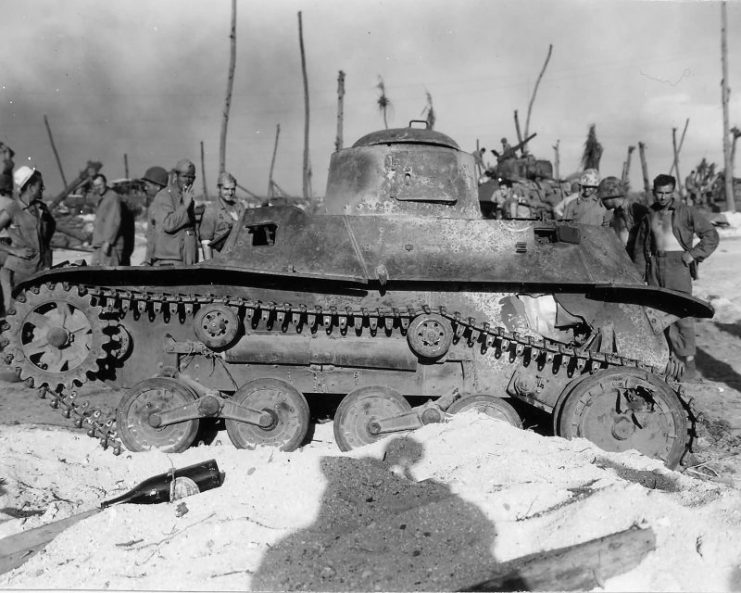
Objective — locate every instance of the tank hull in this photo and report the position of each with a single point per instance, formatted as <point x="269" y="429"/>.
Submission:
<point x="401" y="290"/>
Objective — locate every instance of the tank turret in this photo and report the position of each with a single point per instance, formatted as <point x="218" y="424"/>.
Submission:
<point x="408" y="171"/>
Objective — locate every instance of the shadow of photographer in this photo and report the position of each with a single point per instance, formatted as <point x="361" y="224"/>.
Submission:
<point x="378" y="529"/>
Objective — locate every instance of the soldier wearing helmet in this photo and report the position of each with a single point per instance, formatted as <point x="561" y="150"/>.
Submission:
<point x="220" y="215"/>
<point x="155" y="179"/>
<point x="586" y="208"/>
<point x="625" y="214"/>
<point x="172" y="219"/>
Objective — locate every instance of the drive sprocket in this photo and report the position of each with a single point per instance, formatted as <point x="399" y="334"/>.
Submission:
<point x="55" y="336"/>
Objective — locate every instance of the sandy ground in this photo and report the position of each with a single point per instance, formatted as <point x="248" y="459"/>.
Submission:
<point x="433" y="510"/>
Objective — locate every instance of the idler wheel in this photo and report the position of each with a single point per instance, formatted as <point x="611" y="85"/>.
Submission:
<point x="285" y="404"/>
<point x="430" y="336"/>
<point x="56" y="336"/>
<point x="216" y="326"/>
<point x="620" y="409"/>
<point x="139" y="408"/>
<point x="355" y="421"/>
<point x="496" y="407"/>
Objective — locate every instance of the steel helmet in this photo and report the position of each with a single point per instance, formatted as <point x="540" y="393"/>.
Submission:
<point x="22" y="175"/>
<point x="156" y="175"/>
<point x="589" y="178"/>
<point x="611" y="187"/>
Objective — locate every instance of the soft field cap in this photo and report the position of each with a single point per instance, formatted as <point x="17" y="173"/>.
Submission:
<point x="22" y="174"/>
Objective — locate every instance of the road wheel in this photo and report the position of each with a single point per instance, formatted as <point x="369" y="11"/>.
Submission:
<point x="620" y="409"/>
<point x="496" y="407"/>
<point x="146" y="398"/>
<point x="359" y="409"/>
<point x="285" y="403"/>
<point x="430" y="336"/>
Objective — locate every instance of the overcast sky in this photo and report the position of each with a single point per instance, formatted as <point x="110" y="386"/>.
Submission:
<point x="147" y="78"/>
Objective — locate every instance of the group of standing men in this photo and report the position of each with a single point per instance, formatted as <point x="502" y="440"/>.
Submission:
<point x="173" y="233"/>
<point x="173" y="230"/>
<point x="666" y="241"/>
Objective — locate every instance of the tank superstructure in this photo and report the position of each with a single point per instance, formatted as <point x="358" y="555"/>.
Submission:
<point x="400" y="294"/>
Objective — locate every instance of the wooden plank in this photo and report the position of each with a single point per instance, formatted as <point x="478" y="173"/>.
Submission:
<point x="16" y="549"/>
<point x="580" y="567"/>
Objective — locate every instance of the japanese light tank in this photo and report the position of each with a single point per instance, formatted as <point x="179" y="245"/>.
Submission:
<point x="396" y="307"/>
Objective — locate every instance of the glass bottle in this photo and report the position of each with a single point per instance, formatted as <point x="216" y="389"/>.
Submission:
<point x="172" y="485"/>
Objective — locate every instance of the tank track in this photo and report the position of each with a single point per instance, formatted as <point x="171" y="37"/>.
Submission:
<point x="280" y="317"/>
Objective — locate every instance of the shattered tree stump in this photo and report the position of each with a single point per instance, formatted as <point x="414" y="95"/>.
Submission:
<point x="579" y="567"/>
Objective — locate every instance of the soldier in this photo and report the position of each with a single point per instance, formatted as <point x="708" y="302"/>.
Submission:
<point x="6" y="195"/>
<point x="108" y="239"/>
<point x="507" y="151"/>
<point x="667" y="255"/>
<point x="172" y="219"/>
<point x="625" y="215"/>
<point x="586" y="208"/>
<point x="155" y="179"/>
<point x="30" y="226"/>
<point x="219" y="216"/>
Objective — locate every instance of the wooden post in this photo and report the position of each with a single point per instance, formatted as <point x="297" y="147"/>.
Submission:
<point x="675" y="166"/>
<point x="307" y="166"/>
<point x="126" y="165"/>
<point x="580" y="567"/>
<point x="644" y="169"/>
<point x="340" y="109"/>
<point x="272" y="162"/>
<point x="517" y="128"/>
<point x="54" y="149"/>
<point x="229" y="87"/>
<point x="626" y="166"/>
<point x="725" y="94"/>
<point x="535" y="90"/>
<point x="203" y="173"/>
<point x="557" y="160"/>
<point x="677" y="149"/>
<point x="735" y="132"/>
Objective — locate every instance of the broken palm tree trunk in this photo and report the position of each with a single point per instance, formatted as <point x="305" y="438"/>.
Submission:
<point x="517" y="129"/>
<point x="203" y="173"/>
<point x="626" y="166"/>
<point x="677" y="149"/>
<point x="229" y="87"/>
<point x="307" y="163"/>
<point x="340" y="110"/>
<point x="535" y="89"/>
<point x="644" y="170"/>
<point x="725" y="95"/>
<point x="54" y="150"/>
<point x="271" y="183"/>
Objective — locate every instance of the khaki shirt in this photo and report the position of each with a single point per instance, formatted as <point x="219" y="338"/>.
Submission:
<point x="218" y="220"/>
<point x="30" y="226"/>
<point x="172" y="228"/>
<point x="586" y="211"/>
